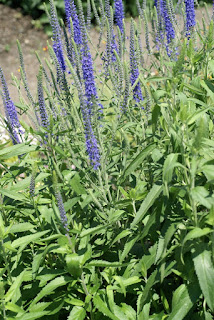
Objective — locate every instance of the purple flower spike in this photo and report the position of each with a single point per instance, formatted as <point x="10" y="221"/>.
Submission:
<point x="134" y="67"/>
<point x="190" y="16"/>
<point x="57" y="45"/>
<point x="91" y="141"/>
<point x="61" y="208"/>
<point x="10" y="111"/>
<point x="42" y="108"/>
<point x="71" y="13"/>
<point x="88" y="75"/>
<point x="119" y="14"/>
<point x="170" y="32"/>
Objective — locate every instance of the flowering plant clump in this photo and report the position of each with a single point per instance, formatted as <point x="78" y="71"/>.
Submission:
<point x="106" y="182"/>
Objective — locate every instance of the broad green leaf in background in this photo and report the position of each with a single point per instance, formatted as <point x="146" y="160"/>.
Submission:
<point x="31" y="316"/>
<point x="13" y="294"/>
<point x="103" y="308"/>
<point x="196" y="233"/>
<point x="147" y="203"/>
<point x="129" y="311"/>
<point x="16" y="150"/>
<point x="197" y="115"/>
<point x="138" y="160"/>
<point x="13" y="195"/>
<point x="168" y="167"/>
<point x="21" y="227"/>
<point x="49" y="289"/>
<point x="93" y="231"/>
<point x="205" y="272"/>
<point x="184" y="298"/>
<point x="77" y="185"/>
<point x="150" y="282"/>
<point x="77" y="313"/>
<point x="27" y="239"/>
<point x="102" y="263"/>
<point x="200" y="195"/>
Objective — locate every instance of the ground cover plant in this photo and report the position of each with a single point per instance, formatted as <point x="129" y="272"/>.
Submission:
<point x="106" y="191"/>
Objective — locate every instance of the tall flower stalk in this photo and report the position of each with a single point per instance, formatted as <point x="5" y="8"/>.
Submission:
<point x="42" y="107"/>
<point x="119" y="14"/>
<point x="57" y="42"/>
<point x="71" y="14"/>
<point x="190" y="16"/>
<point x="166" y="32"/>
<point x="137" y="92"/>
<point x="111" y="45"/>
<point x="10" y="111"/>
<point x="60" y="204"/>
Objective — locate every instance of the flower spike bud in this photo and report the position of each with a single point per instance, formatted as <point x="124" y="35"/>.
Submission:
<point x="60" y="204"/>
<point x="42" y="107"/>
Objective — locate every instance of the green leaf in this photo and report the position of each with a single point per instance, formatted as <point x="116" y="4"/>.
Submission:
<point x="27" y="239"/>
<point x="128" y="246"/>
<point x="196" y="115"/>
<point x="197" y="101"/>
<point x="21" y="227"/>
<point x="184" y="298"/>
<point x="205" y="272"/>
<point x="138" y="160"/>
<point x="200" y="195"/>
<point x="25" y="183"/>
<point x="128" y="282"/>
<point x="102" y="263"/>
<point x="168" y="167"/>
<point x="194" y="89"/>
<point x="121" y="235"/>
<point x="16" y="150"/>
<point x="13" y="195"/>
<point x="32" y="315"/>
<point x="149" y="284"/>
<point x="13" y="307"/>
<point x="73" y="263"/>
<point x="76" y="185"/>
<point x="93" y="230"/>
<point x="129" y="311"/>
<point x="50" y="288"/>
<point x="196" y="233"/>
<point x="77" y="313"/>
<point x="13" y="293"/>
<point x="103" y="308"/>
<point x="147" y="203"/>
<point x="208" y="171"/>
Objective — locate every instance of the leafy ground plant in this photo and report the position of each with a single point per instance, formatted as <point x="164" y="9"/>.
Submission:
<point x="106" y="193"/>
